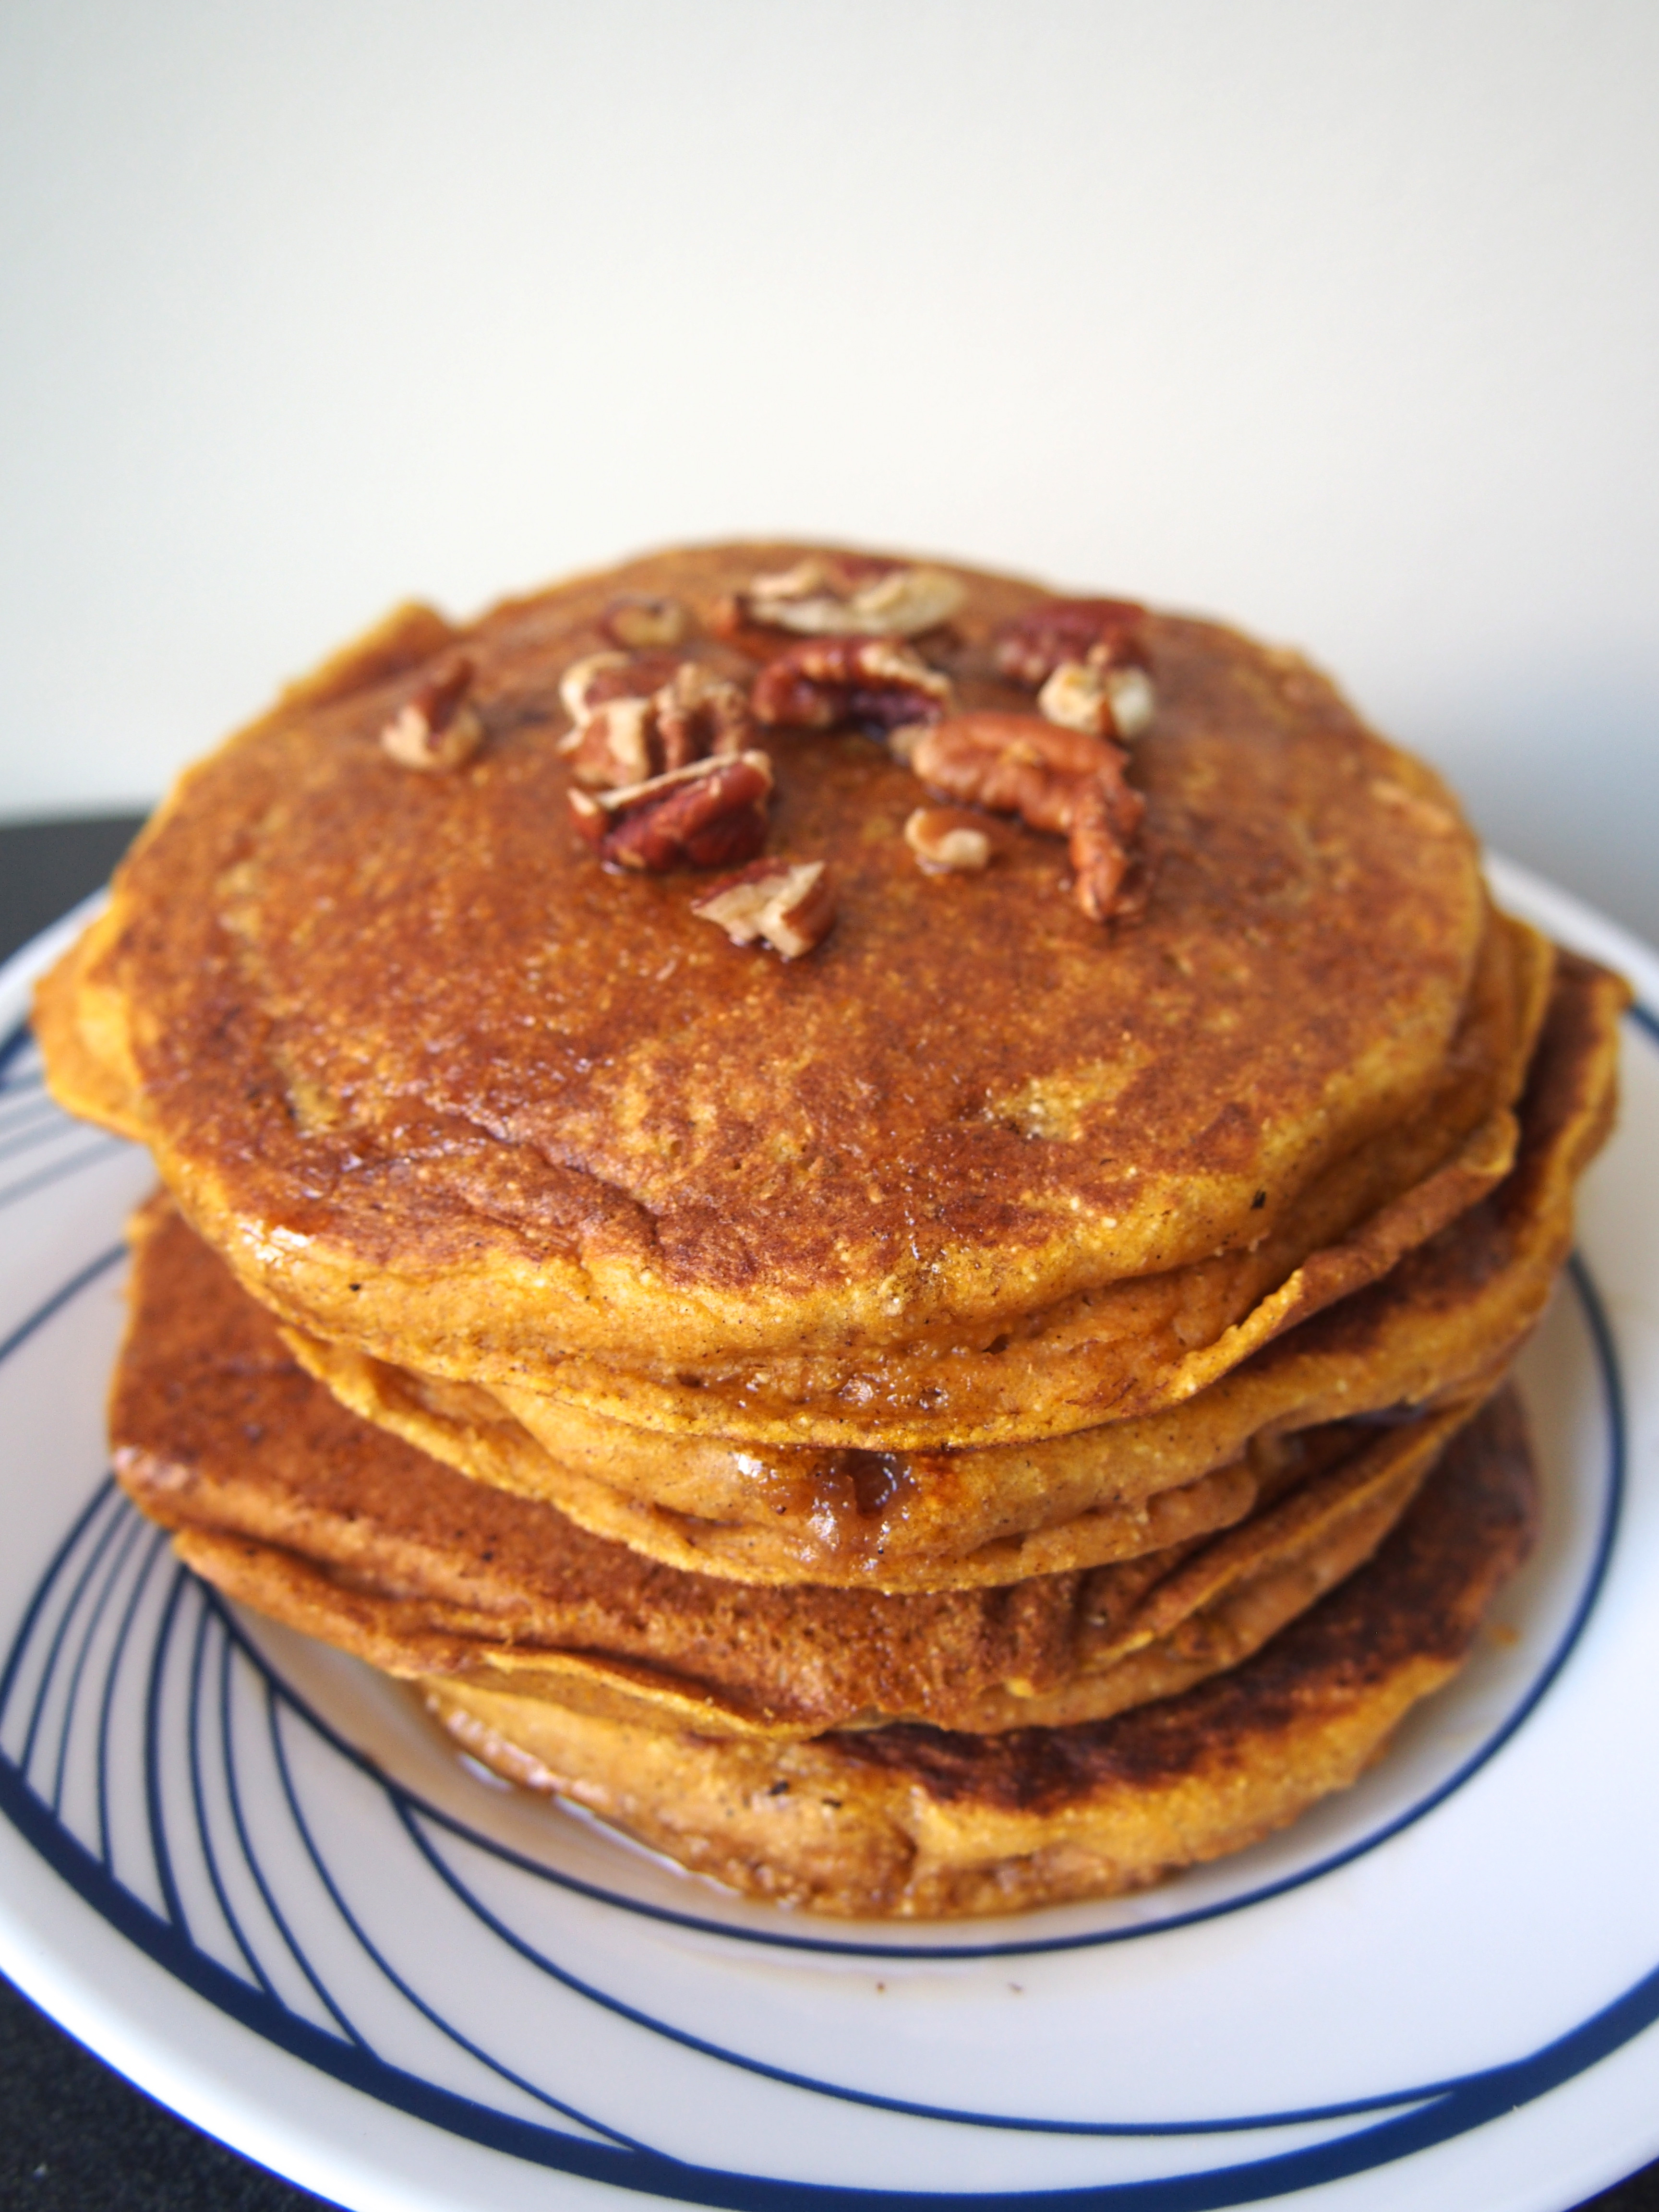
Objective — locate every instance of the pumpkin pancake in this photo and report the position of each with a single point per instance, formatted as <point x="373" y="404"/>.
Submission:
<point x="443" y="1091"/>
<point x="1449" y="1314"/>
<point x="918" y="1822"/>
<point x="1142" y="1344"/>
<point x="284" y="1498"/>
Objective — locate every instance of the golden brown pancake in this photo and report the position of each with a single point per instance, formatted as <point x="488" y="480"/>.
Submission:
<point x="1142" y="1344"/>
<point x="443" y="1091"/>
<point x="916" y="1822"/>
<point x="1450" y="1315"/>
<point x="1134" y="1346"/>
<point x="284" y="1500"/>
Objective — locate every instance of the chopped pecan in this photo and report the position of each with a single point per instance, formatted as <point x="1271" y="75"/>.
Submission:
<point x="438" y="727"/>
<point x="1066" y="781"/>
<point x="636" y="619"/>
<point x="947" y="841"/>
<point x="707" y="816"/>
<point x="638" y="715"/>
<point x="598" y="677"/>
<point x="902" y="743"/>
<point x="870" y="683"/>
<point x="790" y="905"/>
<point x="1105" y="816"/>
<point x="1106" y="702"/>
<point x="699" y="712"/>
<point x="836" y="595"/>
<point x="1012" y="764"/>
<point x="1030" y="647"/>
<point x="613" y="744"/>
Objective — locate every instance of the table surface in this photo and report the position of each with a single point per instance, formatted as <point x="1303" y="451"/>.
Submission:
<point x="74" y="2136"/>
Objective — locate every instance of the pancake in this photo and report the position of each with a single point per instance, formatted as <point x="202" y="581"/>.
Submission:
<point x="442" y="1090"/>
<point x="1449" y="1315"/>
<point x="1129" y="1347"/>
<point x="1134" y="1346"/>
<point x="284" y="1500"/>
<point x="918" y="1822"/>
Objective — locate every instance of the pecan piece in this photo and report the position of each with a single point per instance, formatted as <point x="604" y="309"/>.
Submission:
<point x="637" y="715"/>
<point x="1012" y="764"/>
<point x="789" y="905"/>
<point x="612" y="746"/>
<point x="1106" y="702"/>
<point x="636" y="619"/>
<point x="1066" y="781"/>
<point x="698" y="713"/>
<point x="437" y="728"/>
<point x="1030" y="647"/>
<point x="598" y="677"/>
<point x="946" y="840"/>
<point x="707" y="816"/>
<point x="868" y="683"/>
<point x="831" y="595"/>
<point x="1105" y="816"/>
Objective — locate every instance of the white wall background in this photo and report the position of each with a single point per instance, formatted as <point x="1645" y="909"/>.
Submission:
<point x="1341" y="320"/>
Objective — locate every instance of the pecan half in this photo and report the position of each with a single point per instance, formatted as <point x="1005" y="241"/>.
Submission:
<point x="707" y="816"/>
<point x="866" y="683"/>
<point x="1012" y="764"/>
<point x="1066" y="781"/>
<point x="635" y="716"/>
<point x="832" y="595"/>
<point x="437" y="728"/>
<point x="1106" y="702"/>
<point x="636" y="619"/>
<point x="789" y="905"/>
<point x="946" y="840"/>
<point x="1030" y="647"/>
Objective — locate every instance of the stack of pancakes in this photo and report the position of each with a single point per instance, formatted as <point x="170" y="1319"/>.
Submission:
<point x="988" y="1411"/>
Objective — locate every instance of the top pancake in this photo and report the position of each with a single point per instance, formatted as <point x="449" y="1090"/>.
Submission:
<point x="438" y="1086"/>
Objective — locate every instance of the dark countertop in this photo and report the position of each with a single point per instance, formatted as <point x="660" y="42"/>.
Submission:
<point x="74" y="2136"/>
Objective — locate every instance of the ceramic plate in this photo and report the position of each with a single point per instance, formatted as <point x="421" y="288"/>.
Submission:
<point x="245" y="1870"/>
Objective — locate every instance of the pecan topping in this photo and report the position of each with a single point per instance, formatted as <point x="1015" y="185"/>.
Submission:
<point x="1106" y="702"/>
<point x="636" y="619"/>
<point x="946" y="840"/>
<point x="830" y="595"/>
<point x="1012" y="764"/>
<point x="598" y="677"/>
<point x="699" y="712"/>
<point x="707" y="816"/>
<point x="1105" y="816"/>
<point x="639" y="715"/>
<point x="1030" y="647"/>
<point x="438" y="728"/>
<point x="870" y="683"/>
<point x="1063" y="780"/>
<point x="790" y="905"/>
<point x="612" y="747"/>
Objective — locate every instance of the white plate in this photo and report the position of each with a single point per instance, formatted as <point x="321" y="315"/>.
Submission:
<point x="242" y="1868"/>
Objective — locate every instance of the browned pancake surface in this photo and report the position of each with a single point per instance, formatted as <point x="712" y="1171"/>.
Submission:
<point x="439" y="1085"/>
<point x="285" y="1498"/>
<point x="1448" y="1316"/>
<point x="917" y="1822"/>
